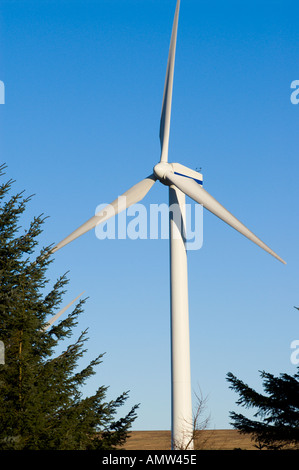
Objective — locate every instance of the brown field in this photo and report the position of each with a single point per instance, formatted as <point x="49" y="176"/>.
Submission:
<point x="207" y="440"/>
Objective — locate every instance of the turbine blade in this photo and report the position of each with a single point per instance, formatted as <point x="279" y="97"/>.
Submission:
<point x="167" y="95"/>
<point x="130" y="197"/>
<point x="200" y="195"/>
<point x="55" y="317"/>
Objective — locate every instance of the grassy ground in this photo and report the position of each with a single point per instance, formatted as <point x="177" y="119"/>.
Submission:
<point x="207" y="440"/>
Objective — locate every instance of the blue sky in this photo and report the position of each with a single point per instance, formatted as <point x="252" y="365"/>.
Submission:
<point x="80" y="125"/>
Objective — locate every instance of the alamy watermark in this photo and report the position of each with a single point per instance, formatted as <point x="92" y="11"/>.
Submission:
<point x="141" y="222"/>
<point x="295" y="343"/>
<point x="2" y="353"/>
<point x="295" y="94"/>
<point x="2" y="92"/>
<point x="295" y="354"/>
<point x="2" y="101"/>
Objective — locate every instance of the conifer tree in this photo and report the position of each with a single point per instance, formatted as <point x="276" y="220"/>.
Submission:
<point x="41" y="392"/>
<point x="277" y="426"/>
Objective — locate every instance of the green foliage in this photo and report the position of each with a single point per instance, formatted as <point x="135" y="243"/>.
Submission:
<point x="41" y="396"/>
<point x="277" y="410"/>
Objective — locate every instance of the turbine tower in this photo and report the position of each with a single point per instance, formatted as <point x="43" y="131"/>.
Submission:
<point x="181" y="181"/>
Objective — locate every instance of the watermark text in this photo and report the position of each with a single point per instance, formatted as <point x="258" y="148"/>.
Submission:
<point x="2" y="353"/>
<point x="295" y="94"/>
<point x="140" y="222"/>
<point x="295" y="353"/>
<point x="2" y="92"/>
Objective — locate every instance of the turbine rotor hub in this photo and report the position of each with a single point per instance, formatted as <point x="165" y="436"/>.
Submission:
<point x="161" y="169"/>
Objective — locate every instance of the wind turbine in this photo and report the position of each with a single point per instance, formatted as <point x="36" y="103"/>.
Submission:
<point x="181" y="181"/>
<point x="55" y="317"/>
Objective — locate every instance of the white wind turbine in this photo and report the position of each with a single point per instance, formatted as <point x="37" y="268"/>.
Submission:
<point x="55" y="317"/>
<point x="181" y="181"/>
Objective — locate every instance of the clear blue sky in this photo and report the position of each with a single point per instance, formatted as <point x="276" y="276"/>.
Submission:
<point x="80" y="125"/>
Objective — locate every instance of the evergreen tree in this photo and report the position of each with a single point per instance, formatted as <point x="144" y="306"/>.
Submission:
<point x="277" y="410"/>
<point x="41" y="396"/>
